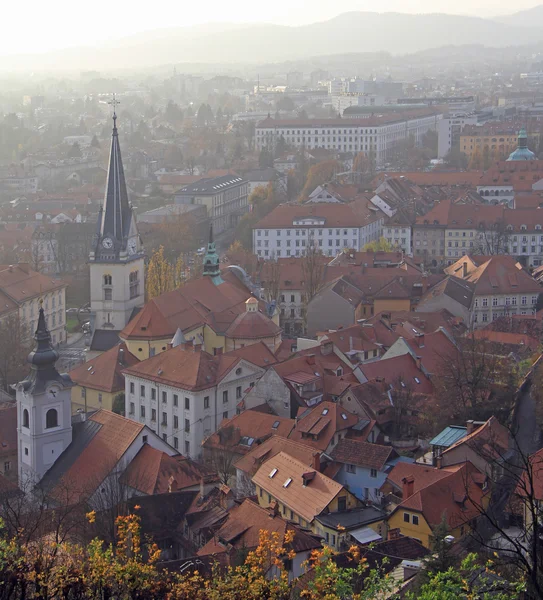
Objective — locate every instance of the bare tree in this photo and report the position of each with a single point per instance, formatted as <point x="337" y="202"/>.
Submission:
<point x="403" y="400"/>
<point x="272" y="281"/>
<point x="313" y="271"/>
<point x="494" y="238"/>
<point x="221" y="458"/>
<point x="16" y="344"/>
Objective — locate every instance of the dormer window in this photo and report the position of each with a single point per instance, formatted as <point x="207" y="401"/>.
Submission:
<point x="523" y="227"/>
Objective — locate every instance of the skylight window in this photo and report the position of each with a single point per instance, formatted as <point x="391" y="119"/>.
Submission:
<point x="417" y="379"/>
<point x="325" y="411"/>
<point x="275" y="425"/>
<point x="287" y="482"/>
<point x="273" y="472"/>
<point x="344" y="416"/>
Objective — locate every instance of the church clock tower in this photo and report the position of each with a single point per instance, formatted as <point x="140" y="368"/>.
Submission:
<point x="117" y="256"/>
<point x="44" y="411"/>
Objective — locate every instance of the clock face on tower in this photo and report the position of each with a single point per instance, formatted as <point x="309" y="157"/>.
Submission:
<point x="132" y="246"/>
<point x="107" y="243"/>
<point x="53" y="392"/>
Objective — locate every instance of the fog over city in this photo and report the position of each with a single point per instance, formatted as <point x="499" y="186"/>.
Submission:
<point x="271" y="304"/>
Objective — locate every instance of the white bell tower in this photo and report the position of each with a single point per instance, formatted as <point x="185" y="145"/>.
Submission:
<point x="44" y="425"/>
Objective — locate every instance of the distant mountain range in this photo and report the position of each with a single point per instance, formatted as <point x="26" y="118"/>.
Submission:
<point x="262" y="43"/>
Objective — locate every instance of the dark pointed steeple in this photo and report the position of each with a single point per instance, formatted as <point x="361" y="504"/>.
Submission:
<point x="43" y="360"/>
<point x="211" y="260"/>
<point x="117" y="213"/>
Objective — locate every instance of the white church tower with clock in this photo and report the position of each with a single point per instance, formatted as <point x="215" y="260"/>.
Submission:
<point x="44" y="411"/>
<point x="116" y="260"/>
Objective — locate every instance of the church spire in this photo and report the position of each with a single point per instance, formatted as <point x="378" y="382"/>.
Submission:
<point x="212" y="261"/>
<point x="116" y="216"/>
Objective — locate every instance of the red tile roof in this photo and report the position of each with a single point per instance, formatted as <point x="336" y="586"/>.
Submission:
<point x="507" y="338"/>
<point x="490" y="440"/>
<point x="317" y="426"/>
<point x="20" y="282"/>
<point x="402" y="367"/>
<point x="155" y="472"/>
<point x="104" y="372"/>
<point x="423" y="475"/>
<point x="252" y="325"/>
<point x="455" y="498"/>
<point x="363" y="454"/>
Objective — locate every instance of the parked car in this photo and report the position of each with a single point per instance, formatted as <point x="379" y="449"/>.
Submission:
<point x="71" y="311"/>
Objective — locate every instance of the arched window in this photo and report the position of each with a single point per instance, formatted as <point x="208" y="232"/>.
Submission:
<point x="26" y="419"/>
<point x="107" y="279"/>
<point x="51" y="418"/>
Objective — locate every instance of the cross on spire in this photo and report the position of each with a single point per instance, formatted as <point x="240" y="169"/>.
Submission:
<point x="114" y="102"/>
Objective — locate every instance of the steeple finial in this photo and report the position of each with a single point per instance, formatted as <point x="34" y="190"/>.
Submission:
<point x="44" y="355"/>
<point x="114" y="102"/>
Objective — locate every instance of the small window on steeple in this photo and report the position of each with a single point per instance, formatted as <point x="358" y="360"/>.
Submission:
<point x="51" y="418"/>
<point x="108" y="280"/>
<point x="26" y="419"/>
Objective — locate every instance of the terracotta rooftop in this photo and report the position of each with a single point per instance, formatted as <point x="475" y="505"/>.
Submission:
<point x="245" y="431"/>
<point x="454" y="498"/>
<point x="252" y="325"/>
<point x="155" y="472"/>
<point x="309" y="500"/>
<point x="317" y="426"/>
<point x="20" y="283"/>
<point x="251" y="462"/>
<point x="490" y="440"/>
<point x="423" y="475"/>
<point x="363" y="454"/>
<point x="105" y="371"/>
<point x="402" y="367"/>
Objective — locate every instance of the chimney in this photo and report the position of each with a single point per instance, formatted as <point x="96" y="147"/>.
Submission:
<point x="394" y="534"/>
<point x="464" y="269"/>
<point x="10" y="268"/>
<point x="316" y="461"/>
<point x="197" y="347"/>
<point x="273" y="509"/>
<point x="408" y="486"/>
<point x="419" y="337"/>
<point x="419" y="363"/>
<point x="187" y="345"/>
<point x="439" y="462"/>
<point x="121" y="356"/>
<point x="470" y="426"/>
<point x="169" y="345"/>
<point x="310" y="359"/>
<point x="307" y="477"/>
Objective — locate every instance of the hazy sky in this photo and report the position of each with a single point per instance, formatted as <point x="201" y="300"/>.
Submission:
<point x="37" y="26"/>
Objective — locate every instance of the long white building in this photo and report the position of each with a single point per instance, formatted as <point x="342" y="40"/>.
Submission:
<point x="291" y="228"/>
<point x="369" y="133"/>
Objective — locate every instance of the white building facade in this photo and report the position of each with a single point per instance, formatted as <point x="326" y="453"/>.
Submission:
<point x="376" y="134"/>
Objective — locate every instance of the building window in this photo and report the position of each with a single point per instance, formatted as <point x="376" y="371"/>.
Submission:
<point x="26" y="419"/>
<point x="225" y="414"/>
<point x="142" y="412"/>
<point x="132" y="387"/>
<point x="134" y="284"/>
<point x="142" y="391"/>
<point x="225" y="397"/>
<point x="108" y="294"/>
<point x="406" y="517"/>
<point x="132" y="408"/>
<point x="350" y="468"/>
<point x="176" y="443"/>
<point x="176" y="422"/>
<point x="153" y="414"/>
<point x="164" y="397"/>
<point x="373" y="472"/>
<point x="175" y="400"/>
<point x="238" y="392"/>
<point x="153" y="393"/>
<point x="342" y="503"/>
<point x="187" y="448"/>
<point x="7" y="466"/>
<point x="108" y="280"/>
<point x="187" y="426"/>
<point x="415" y="519"/>
<point x="100" y="398"/>
<point x="51" y="418"/>
<point x="187" y="403"/>
<point x="164" y="418"/>
<point x="206" y="401"/>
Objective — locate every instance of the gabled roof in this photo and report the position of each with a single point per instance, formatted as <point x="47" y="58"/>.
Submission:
<point x="104" y="372"/>
<point x="196" y="303"/>
<point x="185" y="367"/>
<point x="454" y="498"/>
<point x="97" y="446"/>
<point x="317" y="426"/>
<point x="252" y="325"/>
<point x="20" y="283"/>
<point x="453" y="287"/>
<point x="363" y="454"/>
<point x="243" y="432"/>
<point x="251" y="462"/>
<point x="491" y="440"/>
<point x="309" y="500"/>
<point x="242" y="530"/>
<point x="423" y="475"/>
<point x="402" y="367"/>
<point x="155" y="472"/>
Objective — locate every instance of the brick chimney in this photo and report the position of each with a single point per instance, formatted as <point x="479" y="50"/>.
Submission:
<point x="439" y="462"/>
<point x="470" y="426"/>
<point x="273" y="509"/>
<point x="316" y="461"/>
<point x="394" y="534"/>
<point x="187" y="345"/>
<point x="310" y="359"/>
<point x="408" y="486"/>
<point x="464" y="269"/>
